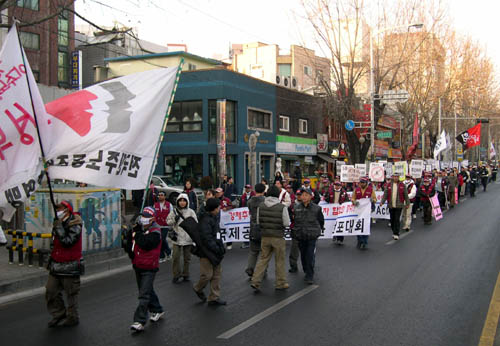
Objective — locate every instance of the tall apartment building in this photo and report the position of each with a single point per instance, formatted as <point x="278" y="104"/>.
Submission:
<point x="299" y="68"/>
<point x="48" y="45"/>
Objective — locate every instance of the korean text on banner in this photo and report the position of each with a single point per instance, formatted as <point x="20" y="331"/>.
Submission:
<point x="436" y="209"/>
<point x="340" y="220"/>
<point x="20" y="155"/>
<point x="377" y="172"/>
<point x="107" y="134"/>
<point x="349" y="174"/>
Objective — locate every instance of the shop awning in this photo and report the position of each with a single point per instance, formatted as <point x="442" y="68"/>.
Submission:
<point x="289" y="158"/>
<point x="326" y="158"/>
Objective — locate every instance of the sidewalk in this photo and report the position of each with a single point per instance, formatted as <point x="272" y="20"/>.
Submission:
<point x="18" y="282"/>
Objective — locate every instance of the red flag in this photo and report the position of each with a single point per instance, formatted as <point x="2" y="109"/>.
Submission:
<point x="416" y="132"/>
<point x="471" y="137"/>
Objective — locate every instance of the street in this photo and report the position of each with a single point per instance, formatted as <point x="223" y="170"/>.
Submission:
<point x="432" y="288"/>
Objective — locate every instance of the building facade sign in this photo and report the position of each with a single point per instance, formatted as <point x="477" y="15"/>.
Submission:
<point x="296" y="145"/>
<point x="322" y="146"/>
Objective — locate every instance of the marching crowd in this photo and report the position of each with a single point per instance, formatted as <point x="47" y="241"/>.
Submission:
<point x="273" y="208"/>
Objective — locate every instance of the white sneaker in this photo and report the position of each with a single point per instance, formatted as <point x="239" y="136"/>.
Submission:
<point x="229" y="247"/>
<point x="156" y="316"/>
<point x="169" y="257"/>
<point x="414" y="216"/>
<point x="395" y="237"/>
<point x="163" y="260"/>
<point x="137" y="327"/>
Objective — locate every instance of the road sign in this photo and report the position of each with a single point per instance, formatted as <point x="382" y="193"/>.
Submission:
<point x="460" y="151"/>
<point x="396" y="96"/>
<point x="349" y="125"/>
<point x="384" y="134"/>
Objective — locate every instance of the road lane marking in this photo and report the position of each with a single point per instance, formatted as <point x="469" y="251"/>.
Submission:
<point x="400" y="237"/>
<point x="491" y="323"/>
<point x="250" y="322"/>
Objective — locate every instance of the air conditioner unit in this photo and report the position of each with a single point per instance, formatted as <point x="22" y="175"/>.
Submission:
<point x="294" y="83"/>
<point x="280" y="80"/>
<point x="287" y="81"/>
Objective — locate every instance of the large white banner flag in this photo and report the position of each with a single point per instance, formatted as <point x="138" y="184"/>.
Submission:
<point x="107" y="134"/>
<point x="441" y="144"/>
<point x="20" y="155"/>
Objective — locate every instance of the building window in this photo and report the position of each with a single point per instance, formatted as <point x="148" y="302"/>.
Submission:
<point x="231" y="116"/>
<point x="284" y="123"/>
<point x="30" y="40"/>
<point x="307" y="70"/>
<point x="259" y="120"/>
<point x="303" y="126"/>
<point x="179" y="168"/>
<point x="191" y="67"/>
<point x="63" y="30"/>
<point x="285" y="70"/>
<point x="185" y="116"/>
<point x="62" y="68"/>
<point x="29" y="4"/>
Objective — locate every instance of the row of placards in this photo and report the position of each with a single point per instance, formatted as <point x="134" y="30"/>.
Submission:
<point x="379" y="170"/>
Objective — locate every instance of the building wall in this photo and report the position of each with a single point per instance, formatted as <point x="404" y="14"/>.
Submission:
<point x="126" y="67"/>
<point x="258" y="60"/>
<point x="44" y="61"/>
<point x="223" y="84"/>
<point x="302" y="57"/>
<point x="94" y="55"/>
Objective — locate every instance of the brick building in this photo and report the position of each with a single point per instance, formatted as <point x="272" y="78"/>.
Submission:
<point x="48" y="45"/>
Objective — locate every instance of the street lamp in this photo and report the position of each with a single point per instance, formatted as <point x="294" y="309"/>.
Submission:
<point x="372" y="82"/>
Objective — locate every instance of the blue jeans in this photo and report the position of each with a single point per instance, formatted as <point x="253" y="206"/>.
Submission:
<point x="362" y="239"/>
<point x="148" y="300"/>
<point x="308" y="256"/>
<point x="165" y="249"/>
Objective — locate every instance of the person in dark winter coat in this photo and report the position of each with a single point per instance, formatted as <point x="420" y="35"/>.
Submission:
<point x="307" y="225"/>
<point x="210" y="272"/>
<point x="425" y="192"/>
<point x="230" y="189"/>
<point x="193" y="199"/>
<point x="255" y="236"/>
<point x="146" y="247"/>
<point x="65" y="267"/>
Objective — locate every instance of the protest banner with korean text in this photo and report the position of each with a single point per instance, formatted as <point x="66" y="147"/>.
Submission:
<point x="416" y="168"/>
<point x="20" y="154"/>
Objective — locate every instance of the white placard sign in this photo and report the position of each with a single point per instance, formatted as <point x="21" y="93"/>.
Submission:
<point x="416" y="168"/>
<point x="349" y="174"/>
<point x="361" y="167"/>
<point x="377" y="172"/>
<point x="401" y="167"/>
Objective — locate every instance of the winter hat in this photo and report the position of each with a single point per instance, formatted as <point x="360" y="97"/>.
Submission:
<point x="148" y="212"/>
<point x="212" y="204"/>
<point x="67" y="205"/>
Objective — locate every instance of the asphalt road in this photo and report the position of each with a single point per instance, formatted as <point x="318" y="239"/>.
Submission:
<point x="431" y="288"/>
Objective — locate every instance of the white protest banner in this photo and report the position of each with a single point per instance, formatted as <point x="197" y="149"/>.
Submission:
<point x="338" y="165"/>
<point x="416" y="168"/>
<point x="388" y="170"/>
<point x="361" y="167"/>
<point x="445" y="164"/>
<point x="342" y="219"/>
<point x="428" y="168"/>
<point x="107" y="134"/>
<point x="377" y="172"/>
<point x="401" y="167"/>
<point x="20" y="154"/>
<point x="456" y="164"/>
<point x="381" y="210"/>
<point x="349" y="174"/>
<point x="465" y="163"/>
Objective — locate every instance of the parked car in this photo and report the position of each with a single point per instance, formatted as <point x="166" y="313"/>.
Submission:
<point x="173" y="188"/>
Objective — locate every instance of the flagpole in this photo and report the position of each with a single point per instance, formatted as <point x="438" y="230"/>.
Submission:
<point x="45" y="166"/>
<point x="162" y="133"/>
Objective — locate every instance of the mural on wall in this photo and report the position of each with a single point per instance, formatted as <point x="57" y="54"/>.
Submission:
<point x="100" y="212"/>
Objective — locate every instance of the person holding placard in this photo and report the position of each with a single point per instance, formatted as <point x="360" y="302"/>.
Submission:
<point x="412" y="194"/>
<point x="425" y="193"/>
<point x="396" y="196"/>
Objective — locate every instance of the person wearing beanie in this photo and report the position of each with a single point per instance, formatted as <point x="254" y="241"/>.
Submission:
<point x="210" y="272"/>
<point x="425" y="193"/>
<point x="272" y="218"/>
<point x="65" y="267"/>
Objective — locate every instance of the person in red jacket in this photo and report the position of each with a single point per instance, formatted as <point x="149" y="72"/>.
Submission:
<point x="65" y="267"/>
<point x="337" y="194"/>
<point x="146" y="247"/>
<point x="162" y="209"/>
<point x="249" y="193"/>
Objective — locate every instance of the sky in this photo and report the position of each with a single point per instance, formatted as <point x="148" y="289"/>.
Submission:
<point x="209" y="26"/>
